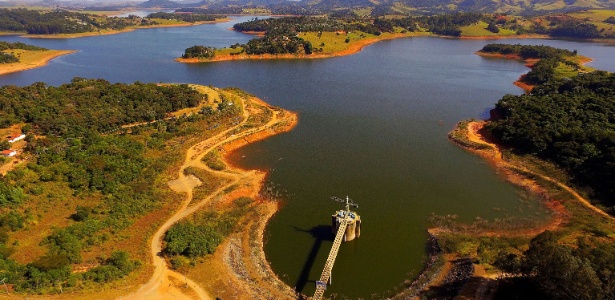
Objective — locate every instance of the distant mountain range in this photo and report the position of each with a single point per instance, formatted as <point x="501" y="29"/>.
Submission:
<point x="160" y="4"/>
<point x="403" y="6"/>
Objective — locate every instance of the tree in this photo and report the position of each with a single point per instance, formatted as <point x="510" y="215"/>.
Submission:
<point x="558" y="273"/>
<point x="199" y="52"/>
<point x="493" y="27"/>
<point x="5" y="145"/>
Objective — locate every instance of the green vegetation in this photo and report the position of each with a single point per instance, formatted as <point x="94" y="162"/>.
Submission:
<point x="202" y="233"/>
<point x="7" y="58"/>
<point x="303" y="35"/>
<point x="57" y="22"/>
<point x="199" y="52"/>
<point x="213" y="161"/>
<point x="556" y="271"/>
<point x="91" y="106"/>
<point x="104" y="177"/>
<point x="19" y="45"/>
<point x="65" y="22"/>
<point x="554" y="63"/>
<point x="561" y="131"/>
<point x="568" y="122"/>
<point x="191" y="18"/>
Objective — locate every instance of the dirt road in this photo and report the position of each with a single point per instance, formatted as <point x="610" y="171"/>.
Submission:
<point x="161" y="285"/>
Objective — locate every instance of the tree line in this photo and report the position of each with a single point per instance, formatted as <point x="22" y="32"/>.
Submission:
<point x="550" y="270"/>
<point x="199" y="52"/>
<point x="81" y="153"/>
<point x="62" y="22"/>
<point x="6" y="58"/>
<point x="202" y="233"/>
<point x="570" y="122"/>
<point x="191" y="17"/>
<point x="542" y="71"/>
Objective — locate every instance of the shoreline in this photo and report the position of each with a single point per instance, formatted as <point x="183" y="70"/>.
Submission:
<point x="352" y="49"/>
<point x="238" y="267"/>
<point x="111" y="32"/>
<point x="501" y="37"/>
<point x="43" y="61"/>
<point x="470" y="136"/>
<point x="529" y="62"/>
<point x="256" y="278"/>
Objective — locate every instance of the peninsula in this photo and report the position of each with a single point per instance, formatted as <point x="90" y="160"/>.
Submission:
<point x="150" y="200"/>
<point x="534" y="141"/>
<point x="67" y="24"/>
<point x="19" y="57"/>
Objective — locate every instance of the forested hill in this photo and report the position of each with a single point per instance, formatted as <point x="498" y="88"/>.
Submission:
<point x="570" y="122"/>
<point x="160" y="4"/>
<point x="88" y="186"/>
<point x="415" y="6"/>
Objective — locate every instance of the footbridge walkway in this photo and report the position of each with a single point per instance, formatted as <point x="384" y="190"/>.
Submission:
<point x="321" y="285"/>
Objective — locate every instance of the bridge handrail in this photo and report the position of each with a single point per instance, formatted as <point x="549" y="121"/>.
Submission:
<point x="326" y="272"/>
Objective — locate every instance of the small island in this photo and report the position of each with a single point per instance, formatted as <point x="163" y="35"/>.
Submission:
<point x="297" y="37"/>
<point x="307" y="37"/>
<point x="15" y="57"/>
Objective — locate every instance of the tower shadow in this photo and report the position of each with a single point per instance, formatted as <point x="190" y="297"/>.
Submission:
<point x="320" y="233"/>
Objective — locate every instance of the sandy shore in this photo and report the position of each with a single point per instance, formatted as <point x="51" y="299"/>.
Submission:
<point x="238" y="268"/>
<point x="40" y="62"/>
<point x="482" y="284"/>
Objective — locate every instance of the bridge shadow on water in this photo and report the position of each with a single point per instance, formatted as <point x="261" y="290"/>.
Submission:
<point x="320" y="233"/>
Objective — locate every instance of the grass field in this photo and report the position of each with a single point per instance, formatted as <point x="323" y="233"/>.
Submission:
<point x="480" y="29"/>
<point x="332" y="42"/>
<point x="597" y="18"/>
<point x="565" y="71"/>
<point x="29" y="59"/>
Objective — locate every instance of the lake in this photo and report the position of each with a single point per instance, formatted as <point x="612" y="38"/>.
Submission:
<point x="372" y="126"/>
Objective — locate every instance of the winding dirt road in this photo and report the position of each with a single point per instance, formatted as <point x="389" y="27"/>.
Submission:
<point x="161" y="285"/>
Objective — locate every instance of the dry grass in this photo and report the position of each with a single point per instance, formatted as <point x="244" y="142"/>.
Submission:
<point x="30" y="59"/>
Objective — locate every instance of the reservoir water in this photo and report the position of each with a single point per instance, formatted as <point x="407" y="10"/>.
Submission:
<point x="372" y="126"/>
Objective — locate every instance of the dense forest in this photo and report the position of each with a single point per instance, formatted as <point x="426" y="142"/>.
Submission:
<point x="388" y="7"/>
<point x="191" y="18"/>
<point x="448" y="24"/>
<point x="294" y="24"/>
<point x="81" y="153"/>
<point x="99" y="106"/>
<point x="61" y="22"/>
<point x="570" y="122"/>
<point x="551" y="270"/>
<point x="199" y="52"/>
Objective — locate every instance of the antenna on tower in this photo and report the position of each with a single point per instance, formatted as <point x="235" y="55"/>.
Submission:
<point x="348" y="202"/>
